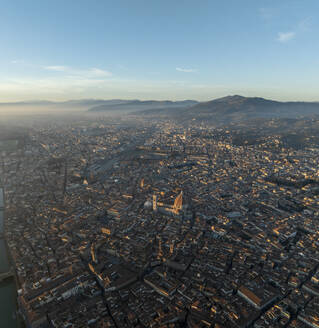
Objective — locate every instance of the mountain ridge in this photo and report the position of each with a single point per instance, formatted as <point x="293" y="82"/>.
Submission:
<point x="228" y="109"/>
<point x="239" y="108"/>
<point x="143" y="105"/>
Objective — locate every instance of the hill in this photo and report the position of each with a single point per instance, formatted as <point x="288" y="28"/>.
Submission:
<point x="138" y="105"/>
<point x="94" y="105"/>
<point x="238" y="108"/>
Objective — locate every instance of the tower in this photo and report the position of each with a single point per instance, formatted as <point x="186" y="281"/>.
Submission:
<point x="178" y="203"/>
<point x="154" y="203"/>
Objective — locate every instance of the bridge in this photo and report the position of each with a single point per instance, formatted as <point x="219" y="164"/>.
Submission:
<point x="6" y="275"/>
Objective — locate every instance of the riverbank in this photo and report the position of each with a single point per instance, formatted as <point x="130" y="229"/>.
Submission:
<point x="8" y="312"/>
<point x="8" y="292"/>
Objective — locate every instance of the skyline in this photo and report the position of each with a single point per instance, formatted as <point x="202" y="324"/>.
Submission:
<point x="147" y="50"/>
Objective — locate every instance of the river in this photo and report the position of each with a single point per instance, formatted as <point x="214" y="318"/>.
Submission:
<point x="8" y="303"/>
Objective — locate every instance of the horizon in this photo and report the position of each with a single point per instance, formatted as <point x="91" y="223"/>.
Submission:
<point x="33" y="101"/>
<point x="145" y="50"/>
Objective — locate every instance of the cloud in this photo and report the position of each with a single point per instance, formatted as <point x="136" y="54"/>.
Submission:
<point x="99" y="72"/>
<point x="186" y="70"/>
<point x="17" y="61"/>
<point x="56" y="68"/>
<point x="90" y="73"/>
<point x="285" y="36"/>
<point x="51" y="86"/>
<point x="60" y="81"/>
<point x="302" y="27"/>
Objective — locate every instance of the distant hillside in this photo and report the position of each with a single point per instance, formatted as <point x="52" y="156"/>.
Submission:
<point x="138" y="105"/>
<point x="63" y="104"/>
<point x="91" y="105"/>
<point x="237" y="108"/>
<point x="47" y="107"/>
<point x="230" y="109"/>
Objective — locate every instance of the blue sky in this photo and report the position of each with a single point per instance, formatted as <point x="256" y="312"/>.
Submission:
<point x="159" y="49"/>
